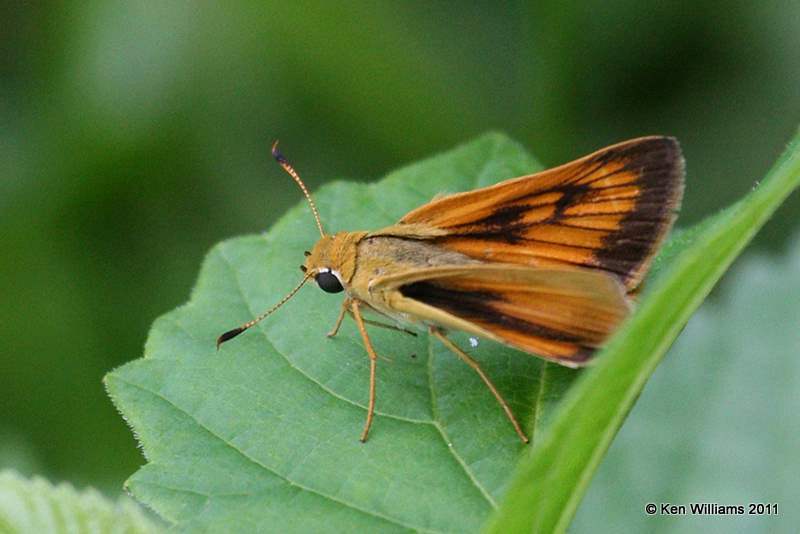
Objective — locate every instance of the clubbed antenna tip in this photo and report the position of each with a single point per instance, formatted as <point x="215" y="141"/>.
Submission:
<point x="277" y="153"/>
<point x="230" y="334"/>
<point x="296" y="177"/>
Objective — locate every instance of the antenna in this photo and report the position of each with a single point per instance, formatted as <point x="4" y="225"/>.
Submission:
<point x="293" y="173"/>
<point x="230" y="334"/>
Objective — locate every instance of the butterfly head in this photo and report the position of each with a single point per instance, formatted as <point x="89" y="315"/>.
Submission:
<point x="332" y="260"/>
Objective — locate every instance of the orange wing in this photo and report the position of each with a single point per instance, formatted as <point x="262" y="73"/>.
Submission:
<point x="559" y="314"/>
<point x="609" y="210"/>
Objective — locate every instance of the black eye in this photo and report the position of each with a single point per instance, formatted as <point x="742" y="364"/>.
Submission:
<point x="328" y="282"/>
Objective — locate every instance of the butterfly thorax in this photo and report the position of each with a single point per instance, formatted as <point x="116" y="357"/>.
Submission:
<point x="381" y="256"/>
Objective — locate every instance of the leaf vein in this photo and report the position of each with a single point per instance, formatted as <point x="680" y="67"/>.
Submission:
<point x="439" y="426"/>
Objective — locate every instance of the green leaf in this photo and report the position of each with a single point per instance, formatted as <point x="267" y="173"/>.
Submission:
<point x="730" y="387"/>
<point x="549" y="483"/>
<point x="264" y="433"/>
<point x="33" y="506"/>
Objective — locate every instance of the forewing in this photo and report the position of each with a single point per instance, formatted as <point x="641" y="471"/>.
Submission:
<point x="609" y="210"/>
<point x="560" y="314"/>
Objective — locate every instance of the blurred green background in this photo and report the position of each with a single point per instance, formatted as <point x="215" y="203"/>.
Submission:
<point x="134" y="136"/>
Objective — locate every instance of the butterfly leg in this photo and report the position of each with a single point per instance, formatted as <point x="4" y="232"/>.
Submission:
<point x="342" y="312"/>
<point x="346" y="309"/>
<point x="474" y="364"/>
<point x="373" y="359"/>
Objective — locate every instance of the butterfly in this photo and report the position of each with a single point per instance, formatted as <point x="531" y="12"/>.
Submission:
<point x="547" y="263"/>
